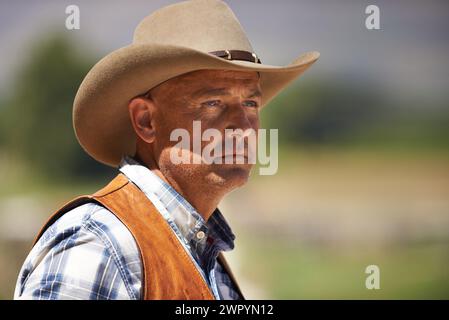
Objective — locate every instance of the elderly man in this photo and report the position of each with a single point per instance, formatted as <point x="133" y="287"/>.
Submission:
<point x="154" y="232"/>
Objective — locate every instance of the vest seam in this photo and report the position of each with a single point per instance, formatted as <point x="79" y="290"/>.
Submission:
<point x="189" y="258"/>
<point x="101" y="195"/>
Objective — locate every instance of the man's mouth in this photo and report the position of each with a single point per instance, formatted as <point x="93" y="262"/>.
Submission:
<point x="234" y="158"/>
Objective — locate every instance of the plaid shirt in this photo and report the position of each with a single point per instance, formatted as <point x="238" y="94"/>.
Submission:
<point x="88" y="253"/>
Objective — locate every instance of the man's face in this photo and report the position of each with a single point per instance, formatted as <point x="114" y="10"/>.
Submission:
<point x="218" y="99"/>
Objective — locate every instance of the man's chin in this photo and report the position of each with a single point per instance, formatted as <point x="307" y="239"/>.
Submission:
<point x="231" y="175"/>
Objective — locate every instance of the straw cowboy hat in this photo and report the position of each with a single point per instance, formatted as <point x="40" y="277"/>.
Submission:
<point x="176" y="39"/>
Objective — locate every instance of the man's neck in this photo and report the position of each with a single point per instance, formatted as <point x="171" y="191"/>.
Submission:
<point x="199" y="195"/>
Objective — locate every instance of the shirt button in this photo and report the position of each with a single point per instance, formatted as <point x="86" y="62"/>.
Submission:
<point x="200" y="235"/>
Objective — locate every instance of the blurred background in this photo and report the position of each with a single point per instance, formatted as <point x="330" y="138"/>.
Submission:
<point x="364" y="138"/>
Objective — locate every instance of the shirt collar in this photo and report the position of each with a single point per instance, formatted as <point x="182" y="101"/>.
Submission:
<point x="177" y="209"/>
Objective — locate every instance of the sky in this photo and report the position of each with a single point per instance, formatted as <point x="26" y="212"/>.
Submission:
<point x="407" y="56"/>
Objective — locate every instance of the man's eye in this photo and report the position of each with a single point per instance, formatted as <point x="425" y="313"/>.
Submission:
<point x="250" y="103"/>
<point x="211" y="103"/>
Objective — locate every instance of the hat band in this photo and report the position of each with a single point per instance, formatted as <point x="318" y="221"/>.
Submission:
<point x="237" y="55"/>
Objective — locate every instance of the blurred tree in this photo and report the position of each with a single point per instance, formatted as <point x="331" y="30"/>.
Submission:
<point x="2" y="124"/>
<point x="357" y="113"/>
<point x="323" y="112"/>
<point x="39" y="114"/>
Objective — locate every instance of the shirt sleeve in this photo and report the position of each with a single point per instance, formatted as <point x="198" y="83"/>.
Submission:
<point x="76" y="265"/>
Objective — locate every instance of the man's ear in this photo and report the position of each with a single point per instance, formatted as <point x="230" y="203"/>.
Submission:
<point x="141" y="112"/>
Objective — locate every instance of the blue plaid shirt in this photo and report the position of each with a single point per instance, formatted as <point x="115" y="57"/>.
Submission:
<point x="88" y="253"/>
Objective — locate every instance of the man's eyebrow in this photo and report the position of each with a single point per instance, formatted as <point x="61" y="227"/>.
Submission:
<point x="255" y="93"/>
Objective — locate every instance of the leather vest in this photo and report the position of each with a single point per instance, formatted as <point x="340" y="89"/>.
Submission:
<point x="168" y="272"/>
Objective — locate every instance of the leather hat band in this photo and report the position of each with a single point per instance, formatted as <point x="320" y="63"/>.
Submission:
<point x="237" y="55"/>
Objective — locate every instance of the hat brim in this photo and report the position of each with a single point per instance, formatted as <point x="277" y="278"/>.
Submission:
<point x="100" y="114"/>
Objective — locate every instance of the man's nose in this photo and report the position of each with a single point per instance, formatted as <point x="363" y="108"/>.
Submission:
<point x="237" y="117"/>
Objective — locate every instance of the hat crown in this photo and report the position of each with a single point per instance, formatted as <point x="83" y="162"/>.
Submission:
<point x="205" y="25"/>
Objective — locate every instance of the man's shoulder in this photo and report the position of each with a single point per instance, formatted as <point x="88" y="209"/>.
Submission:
<point x="86" y="245"/>
<point x="92" y="218"/>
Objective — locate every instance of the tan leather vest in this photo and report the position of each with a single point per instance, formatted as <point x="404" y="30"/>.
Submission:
<point x="168" y="272"/>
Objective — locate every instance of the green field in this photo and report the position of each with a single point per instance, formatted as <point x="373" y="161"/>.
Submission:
<point x="285" y="270"/>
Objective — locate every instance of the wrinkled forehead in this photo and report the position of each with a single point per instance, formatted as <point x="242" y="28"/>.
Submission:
<point x="192" y="81"/>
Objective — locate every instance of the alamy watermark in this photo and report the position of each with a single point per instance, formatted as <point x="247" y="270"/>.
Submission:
<point x="72" y="22"/>
<point x="373" y="280"/>
<point x="238" y="146"/>
<point x="372" y="21"/>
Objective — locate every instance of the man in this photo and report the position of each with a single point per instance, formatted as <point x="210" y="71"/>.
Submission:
<point x="154" y="232"/>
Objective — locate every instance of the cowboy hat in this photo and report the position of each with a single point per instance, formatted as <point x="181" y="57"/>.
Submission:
<point x="179" y="38"/>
